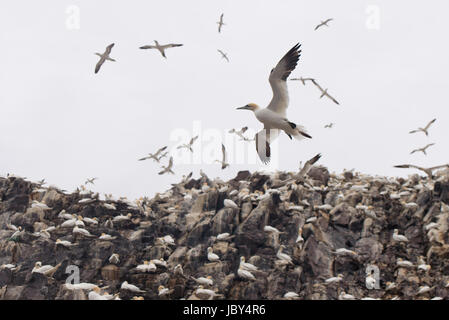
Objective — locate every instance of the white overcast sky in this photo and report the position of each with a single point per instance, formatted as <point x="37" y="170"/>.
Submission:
<point x="62" y="122"/>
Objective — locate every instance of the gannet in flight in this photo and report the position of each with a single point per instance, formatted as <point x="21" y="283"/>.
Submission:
<point x="167" y="169"/>
<point x="155" y="155"/>
<point x="240" y="133"/>
<point x="220" y="23"/>
<point x="274" y="116"/>
<point x="104" y="57"/>
<point x="428" y="171"/>
<point x="91" y="181"/>
<point x="330" y="125"/>
<point x="223" y="55"/>
<point x="188" y="145"/>
<point x="423" y="149"/>
<point x="324" y="92"/>
<point x="162" y="47"/>
<point x="425" y="129"/>
<point x="303" y="80"/>
<point x="308" y="165"/>
<point x="324" y="23"/>
<point x="223" y="162"/>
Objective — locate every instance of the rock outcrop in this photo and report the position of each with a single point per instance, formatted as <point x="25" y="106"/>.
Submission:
<point x="338" y="230"/>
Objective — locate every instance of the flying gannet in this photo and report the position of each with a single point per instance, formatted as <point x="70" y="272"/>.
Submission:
<point x="329" y="126"/>
<point x="423" y="149"/>
<point x="428" y="171"/>
<point x="324" y="23"/>
<point x="154" y="156"/>
<point x="220" y="23"/>
<point x="223" y="162"/>
<point x="167" y="169"/>
<point x="91" y="181"/>
<point x="324" y="92"/>
<point x="223" y="55"/>
<point x="274" y="116"/>
<point x="188" y="145"/>
<point x="160" y="47"/>
<point x="425" y="129"/>
<point x="104" y="57"/>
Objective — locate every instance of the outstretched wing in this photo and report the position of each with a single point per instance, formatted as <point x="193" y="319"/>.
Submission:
<point x="278" y="77"/>
<point x="99" y="64"/>
<point x="263" y="139"/>
<point x="223" y="150"/>
<point x="147" y="47"/>
<point x="109" y="48"/>
<point x="429" y="124"/>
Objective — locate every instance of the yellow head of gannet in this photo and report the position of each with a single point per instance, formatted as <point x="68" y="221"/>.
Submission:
<point x="250" y="106"/>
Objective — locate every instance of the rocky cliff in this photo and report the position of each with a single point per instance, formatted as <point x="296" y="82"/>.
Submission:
<point x="338" y="230"/>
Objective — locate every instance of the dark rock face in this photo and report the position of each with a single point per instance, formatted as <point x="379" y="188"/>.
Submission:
<point x="316" y="217"/>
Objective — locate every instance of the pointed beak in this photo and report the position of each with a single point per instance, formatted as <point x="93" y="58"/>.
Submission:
<point x="244" y="108"/>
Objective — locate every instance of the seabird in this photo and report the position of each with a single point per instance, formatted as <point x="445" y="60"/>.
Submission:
<point x="428" y="171"/>
<point x="188" y="145"/>
<point x="345" y="296"/>
<point x="336" y="279"/>
<point x="403" y="263"/>
<point x="240" y="133"/>
<point x="154" y="156"/>
<point x="95" y="294"/>
<point x="104" y="57"/>
<point x="228" y="203"/>
<point x="161" y="48"/>
<point x="47" y="270"/>
<point x="64" y="243"/>
<point x="224" y="236"/>
<point x="204" y="280"/>
<point x="330" y="125"/>
<point x="425" y="129"/>
<point x="223" y="162"/>
<point x="223" y="55"/>
<point x="91" y="181"/>
<point x="283" y="256"/>
<point x="163" y="291"/>
<point x="168" y="169"/>
<point x="245" y="274"/>
<point x="308" y="165"/>
<point x="423" y="149"/>
<point x="324" y="23"/>
<point x="146" y="267"/>
<point x="324" y="92"/>
<point x="274" y="116"/>
<point x="126" y="286"/>
<point x="114" y="258"/>
<point x="81" y="231"/>
<point x="106" y="237"/>
<point x="220" y="23"/>
<point x="271" y="229"/>
<point x="291" y="295"/>
<point x="121" y="217"/>
<point x="206" y="293"/>
<point x="246" y="266"/>
<point x="211" y="256"/>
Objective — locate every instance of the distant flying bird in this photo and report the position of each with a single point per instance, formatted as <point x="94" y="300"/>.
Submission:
<point x="162" y="156"/>
<point x="274" y="116"/>
<point x="188" y="145"/>
<point x="91" y="181"/>
<point x="428" y="171"/>
<point x="240" y="133"/>
<point x="425" y="129"/>
<point x="324" y="92"/>
<point x="304" y="170"/>
<point x="223" y="162"/>
<point x="220" y="23"/>
<point x="168" y="169"/>
<point x="303" y="80"/>
<point x="324" y="23"/>
<point x="154" y="156"/>
<point x="330" y="125"/>
<point x="423" y="149"/>
<point x="104" y="57"/>
<point x="160" y="47"/>
<point x="223" y="55"/>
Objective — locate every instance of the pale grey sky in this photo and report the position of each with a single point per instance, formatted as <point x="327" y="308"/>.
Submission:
<point x="62" y="122"/>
